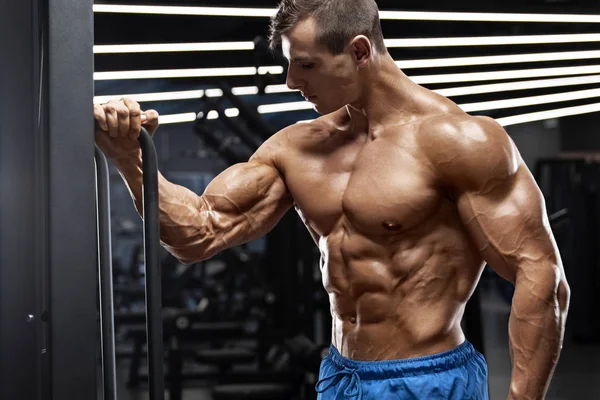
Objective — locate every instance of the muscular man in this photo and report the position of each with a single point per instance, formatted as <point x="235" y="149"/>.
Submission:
<point x="405" y="195"/>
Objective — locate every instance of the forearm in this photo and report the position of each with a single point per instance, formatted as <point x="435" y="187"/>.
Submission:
<point x="536" y="330"/>
<point x="186" y="229"/>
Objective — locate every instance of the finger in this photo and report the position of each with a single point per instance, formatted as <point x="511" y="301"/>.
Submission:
<point x="152" y="120"/>
<point x="135" y="118"/>
<point x="112" y="120"/>
<point x="123" y="115"/>
<point x="100" y="117"/>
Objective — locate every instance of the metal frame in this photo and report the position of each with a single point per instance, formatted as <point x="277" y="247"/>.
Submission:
<point x="21" y="244"/>
<point x="72" y="212"/>
<point x="48" y="309"/>
<point x="107" y="313"/>
<point x="154" y="321"/>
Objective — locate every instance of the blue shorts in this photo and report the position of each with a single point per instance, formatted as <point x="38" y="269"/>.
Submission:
<point x="457" y="374"/>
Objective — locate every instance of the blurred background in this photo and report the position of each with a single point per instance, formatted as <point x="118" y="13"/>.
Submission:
<point x="253" y="321"/>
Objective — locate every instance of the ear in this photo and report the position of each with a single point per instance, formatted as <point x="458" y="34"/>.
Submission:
<point x="361" y="50"/>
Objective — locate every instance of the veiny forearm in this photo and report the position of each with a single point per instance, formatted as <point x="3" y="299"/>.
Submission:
<point x="186" y="225"/>
<point x="536" y="330"/>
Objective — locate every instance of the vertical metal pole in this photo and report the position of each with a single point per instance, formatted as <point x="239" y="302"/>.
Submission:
<point x="23" y="261"/>
<point x="153" y="275"/>
<point x="105" y="276"/>
<point x="72" y="234"/>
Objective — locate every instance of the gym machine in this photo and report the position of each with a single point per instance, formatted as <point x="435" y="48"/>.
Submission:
<point x="153" y="274"/>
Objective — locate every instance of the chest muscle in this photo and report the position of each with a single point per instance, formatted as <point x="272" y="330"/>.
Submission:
<point x="378" y="188"/>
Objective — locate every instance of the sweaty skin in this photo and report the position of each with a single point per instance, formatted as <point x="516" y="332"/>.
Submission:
<point x="406" y="197"/>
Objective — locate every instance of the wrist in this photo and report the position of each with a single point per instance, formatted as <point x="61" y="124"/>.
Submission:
<point x="129" y="159"/>
<point x="524" y="391"/>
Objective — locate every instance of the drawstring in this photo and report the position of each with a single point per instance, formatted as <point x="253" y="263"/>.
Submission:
<point x="353" y="389"/>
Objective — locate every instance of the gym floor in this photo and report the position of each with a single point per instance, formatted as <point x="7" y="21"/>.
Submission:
<point x="576" y="377"/>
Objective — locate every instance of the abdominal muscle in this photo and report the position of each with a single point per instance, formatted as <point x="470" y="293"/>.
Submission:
<point x="400" y="303"/>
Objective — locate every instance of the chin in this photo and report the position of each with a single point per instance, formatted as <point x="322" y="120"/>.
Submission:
<point x="324" y="110"/>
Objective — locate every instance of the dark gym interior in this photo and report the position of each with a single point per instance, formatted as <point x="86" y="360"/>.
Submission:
<point x="254" y="322"/>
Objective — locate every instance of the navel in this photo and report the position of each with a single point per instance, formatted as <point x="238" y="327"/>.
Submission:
<point x="392" y="226"/>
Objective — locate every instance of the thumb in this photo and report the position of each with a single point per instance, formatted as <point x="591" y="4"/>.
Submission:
<point x="150" y="120"/>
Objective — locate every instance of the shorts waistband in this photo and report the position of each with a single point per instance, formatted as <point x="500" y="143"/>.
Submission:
<point x="434" y="363"/>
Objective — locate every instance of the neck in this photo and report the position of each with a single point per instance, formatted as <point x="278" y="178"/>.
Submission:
<point x="387" y="94"/>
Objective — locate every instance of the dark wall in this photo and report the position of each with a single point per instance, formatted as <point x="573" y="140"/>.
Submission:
<point x="580" y="133"/>
<point x="536" y="140"/>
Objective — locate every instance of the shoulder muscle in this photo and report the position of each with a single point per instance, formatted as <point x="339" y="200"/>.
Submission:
<point x="471" y="153"/>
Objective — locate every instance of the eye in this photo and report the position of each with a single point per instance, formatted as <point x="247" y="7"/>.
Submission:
<point x="308" y="66"/>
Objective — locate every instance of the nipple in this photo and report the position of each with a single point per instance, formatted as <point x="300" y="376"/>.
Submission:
<point x="392" y="226"/>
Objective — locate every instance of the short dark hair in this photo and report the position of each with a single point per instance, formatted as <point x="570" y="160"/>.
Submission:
<point x="338" y="21"/>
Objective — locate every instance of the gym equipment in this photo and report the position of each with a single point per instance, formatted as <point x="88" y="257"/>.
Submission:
<point x="109" y="376"/>
<point x="255" y="122"/>
<point x="222" y="143"/>
<point x="153" y="274"/>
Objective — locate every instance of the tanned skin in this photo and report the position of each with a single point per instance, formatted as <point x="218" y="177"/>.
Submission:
<point x="405" y="195"/>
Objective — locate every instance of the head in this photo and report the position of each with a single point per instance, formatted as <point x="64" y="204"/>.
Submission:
<point x="330" y="44"/>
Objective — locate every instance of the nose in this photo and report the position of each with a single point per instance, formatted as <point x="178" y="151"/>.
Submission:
<point x="292" y="82"/>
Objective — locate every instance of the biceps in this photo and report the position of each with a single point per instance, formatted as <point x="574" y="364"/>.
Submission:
<point x="245" y="201"/>
<point x="508" y="223"/>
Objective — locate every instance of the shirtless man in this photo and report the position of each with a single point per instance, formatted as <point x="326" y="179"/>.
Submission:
<point x="405" y="195"/>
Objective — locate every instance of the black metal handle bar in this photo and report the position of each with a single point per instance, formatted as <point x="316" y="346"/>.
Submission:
<point x="109" y="375"/>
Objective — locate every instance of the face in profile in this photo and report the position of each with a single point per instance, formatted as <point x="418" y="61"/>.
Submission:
<point x="328" y="81"/>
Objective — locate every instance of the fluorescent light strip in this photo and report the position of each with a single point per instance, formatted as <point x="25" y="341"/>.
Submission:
<point x="502" y="75"/>
<point x="186" y="73"/>
<point x="282" y="107"/>
<point x="470" y="107"/>
<point x="266" y="109"/>
<point x="450" y="92"/>
<point x="244" y="91"/>
<point x="189" y="94"/>
<point x="172" y="47"/>
<point x="174" y="10"/>
<point x="250" y="90"/>
<point x="391" y="43"/>
<point x="146" y="97"/>
<point x="504" y="59"/>
<point x="506" y="121"/>
<point x="524" y="85"/>
<point x="492" y="40"/>
<point x="230" y="113"/>
<point x="488" y="17"/>
<point x="176" y="118"/>
<point x="278" y="89"/>
<point x="530" y="101"/>
<point x="277" y="70"/>
<point x="392" y="15"/>
<point x="174" y="73"/>
<point x="550" y="114"/>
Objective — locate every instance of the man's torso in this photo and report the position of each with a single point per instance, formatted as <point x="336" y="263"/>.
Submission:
<point x="396" y="261"/>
